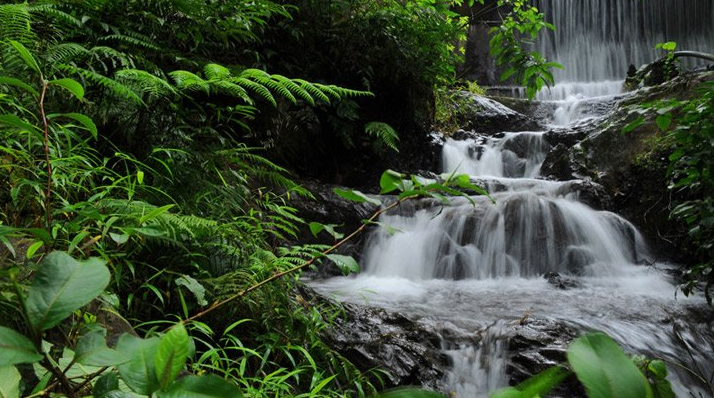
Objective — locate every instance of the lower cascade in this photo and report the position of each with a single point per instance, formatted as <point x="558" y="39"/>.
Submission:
<point x="536" y="254"/>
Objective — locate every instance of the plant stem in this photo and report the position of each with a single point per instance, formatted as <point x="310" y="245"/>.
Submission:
<point x="63" y="380"/>
<point x="48" y="193"/>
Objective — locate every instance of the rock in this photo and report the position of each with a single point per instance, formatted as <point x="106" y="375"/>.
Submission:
<point x="561" y="282"/>
<point x="487" y="116"/>
<point x="558" y="164"/>
<point x="373" y="338"/>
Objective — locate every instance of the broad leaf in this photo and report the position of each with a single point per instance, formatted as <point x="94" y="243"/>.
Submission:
<point x="26" y="56"/>
<point x="208" y="386"/>
<point x="9" y="382"/>
<point x="85" y="121"/>
<point x="171" y="355"/>
<point x="346" y="264"/>
<point x="536" y="386"/>
<point x="11" y="81"/>
<point x="105" y="385"/>
<point x="390" y="181"/>
<point x="355" y="196"/>
<point x="61" y="286"/>
<point x="139" y="373"/>
<point x="316" y="228"/>
<point x="70" y="85"/>
<point x="16" y="348"/>
<point x="92" y="350"/>
<point x="605" y="370"/>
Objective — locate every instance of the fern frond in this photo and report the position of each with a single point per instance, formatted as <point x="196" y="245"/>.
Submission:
<point x="111" y="85"/>
<point x="328" y="90"/>
<point x="257" y="88"/>
<point x="57" y="15"/>
<point x="119" y="59"/>
<point x="16" y="24"/>
<point x="145" y="82"/>
<point x="188" y="81"/>
<point x="216" y="71"/>
<point x="131" y="40"/>
<point x="227" y="88"/>
<point x="349" y="93"/>
<point x="266" y="80"/>
<point x="66" y="52"/>
<point x="384" y="133"/>
<point x="314" y="91"/>
<point x="295" y="88"/>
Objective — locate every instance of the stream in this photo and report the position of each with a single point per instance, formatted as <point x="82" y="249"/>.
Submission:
<point x="475" y="273"/>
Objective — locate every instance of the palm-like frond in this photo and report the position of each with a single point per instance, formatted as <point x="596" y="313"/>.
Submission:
<point x="16" y="24"/>
<point x="384" y="133"/>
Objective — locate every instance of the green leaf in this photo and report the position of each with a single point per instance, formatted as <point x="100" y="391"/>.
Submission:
<point x="171" y="355"/>
<point x="105" y="385"/>
<point x="208" y="386"/>
<point x="92" y="350"/>
<point x="85" y="121"/>
<point x="9" y="382"/>
<point x="346" y="264"/>
<point x="536" y="386"/>
<point x="605" y="370"/>
<point x="390" y="181"/>
<point x="11" y="81"/>
<point x="70" y="85"/>
<point x="356" y="196"/>
<point x="139" y="373"/>
<point x="15" y="121"/>
<point x="16" y="348"/>
<point x="633" y="125"/>
<point x="316" y="228"/>
<point x="34" y="248"/>
<point x="61" y="286"/>
<point x="26" y="56"/>
<point x="199" y="292"/>
<point x="663" y="121"/>
<point x="409" y="392"/>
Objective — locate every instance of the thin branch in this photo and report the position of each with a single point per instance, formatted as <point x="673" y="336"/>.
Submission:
<point x="48" y="193"/>
<point x="301" y="266"/>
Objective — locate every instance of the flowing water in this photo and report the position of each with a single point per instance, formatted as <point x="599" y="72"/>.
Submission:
<point x="473" y="271"/>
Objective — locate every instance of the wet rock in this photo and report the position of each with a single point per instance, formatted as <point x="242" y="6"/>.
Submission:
<point x="487" y="116"/>
<point x="374" y="338"/>
<point x="558" y="164"/>
<point x="537" y="344"/>
<point x="561" y="282"/>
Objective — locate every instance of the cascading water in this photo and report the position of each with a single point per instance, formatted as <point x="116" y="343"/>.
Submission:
<point x="476" y="268"/>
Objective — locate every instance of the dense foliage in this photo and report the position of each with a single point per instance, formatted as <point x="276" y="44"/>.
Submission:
<point x="137" y="196"/>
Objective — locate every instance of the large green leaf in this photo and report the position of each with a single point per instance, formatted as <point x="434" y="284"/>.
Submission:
<point x="604" y="370"/>
<point x="84" y="120"/>
<point x="536" y="386"/>
<point x="26" y="56"/>
<point x="9" y="382"/>
<point x="139" y="373"/>
<point x="70" y="85"/>
<point x="16" y="348"/>
<point x="346" y="264"/>
<point x="209" y="386"/>
<point x="356" y="196"/>
<point x="171" y="355"/>
<point x="61" y="286"/>
<point x="92" y="350"/>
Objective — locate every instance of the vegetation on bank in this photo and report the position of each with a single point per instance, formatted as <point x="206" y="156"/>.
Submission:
<point x="144" y="149"/>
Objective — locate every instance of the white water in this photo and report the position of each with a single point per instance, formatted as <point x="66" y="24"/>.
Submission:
<point x="475" y="270"/>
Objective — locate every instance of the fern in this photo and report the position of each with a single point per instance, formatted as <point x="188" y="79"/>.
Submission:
<point x="384" y="133"/>
<point x="313" y="90"/>
<point x="66" y="52"/>
<point x="144" y="82"/>
<point x="231" y="89"/>
<point x="119" y="89"/>
<point x="16" y="24"/>
<point x="139" y="41"/>
<point x="295" y="88"/>
<point x="57" y="15"/>
<point x="257" y="88"/>
<point x="190" y="82"/>
<point x="216" y="71"/>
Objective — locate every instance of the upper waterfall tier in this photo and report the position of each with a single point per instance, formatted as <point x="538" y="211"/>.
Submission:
<point x="596" y="40"/>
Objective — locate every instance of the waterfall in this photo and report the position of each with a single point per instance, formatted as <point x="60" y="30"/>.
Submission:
<point x="596" y="40"/>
